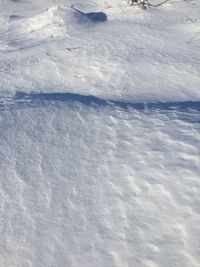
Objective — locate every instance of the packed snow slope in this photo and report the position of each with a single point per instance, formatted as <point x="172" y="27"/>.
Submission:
<point x="137" y="55"/>
<point x="99" y="135"/>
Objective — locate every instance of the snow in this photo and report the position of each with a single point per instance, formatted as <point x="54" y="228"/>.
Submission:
<point x="150" y="64"/>
<point x="99" y="135"/>
<point x="97" y="186"/>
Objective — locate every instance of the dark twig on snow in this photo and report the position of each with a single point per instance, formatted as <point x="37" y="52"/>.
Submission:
<point x="159" y="4"/>
<point x="142" y="3"/>
<point x="145" y="3"/>
<point x="71" y="48"/>
<point x="193" y="20"/>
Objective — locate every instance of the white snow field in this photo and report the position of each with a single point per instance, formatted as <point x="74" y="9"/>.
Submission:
<point x="99" y="134"/>
<point x="136" y="55"/>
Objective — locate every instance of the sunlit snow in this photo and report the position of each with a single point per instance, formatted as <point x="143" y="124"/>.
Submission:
<point x="99" y="134"/>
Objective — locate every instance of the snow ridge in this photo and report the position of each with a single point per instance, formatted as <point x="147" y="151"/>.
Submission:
<point x="28" y="100"/>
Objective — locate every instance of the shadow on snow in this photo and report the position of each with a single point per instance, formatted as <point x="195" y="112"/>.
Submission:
<point x="26" y="100"/>
<point x="188" y="111"/>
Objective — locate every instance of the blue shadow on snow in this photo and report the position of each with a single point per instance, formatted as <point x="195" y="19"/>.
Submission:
<point x="96" y="16"/>
<point x="188" y="111"/>
<point x="93" y="16"/>
<point x="22" y="99"/>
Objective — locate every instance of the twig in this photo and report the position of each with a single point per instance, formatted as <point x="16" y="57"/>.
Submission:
<point x="145" y="3"/>
<point x="190" y="19"/>
<point x="159" y="4"/>
<point x="71" y="48"/>
<point x="194" y="38"/>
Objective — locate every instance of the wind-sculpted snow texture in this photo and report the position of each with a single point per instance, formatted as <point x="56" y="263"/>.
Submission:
<point x="136" y="55"/>
<point x="93" y="185"/>
<point x="99" y="135"/>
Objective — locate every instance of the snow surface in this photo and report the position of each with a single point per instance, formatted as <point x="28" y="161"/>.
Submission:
<point x="137" y="55"/>
<point x="99" y="135"/>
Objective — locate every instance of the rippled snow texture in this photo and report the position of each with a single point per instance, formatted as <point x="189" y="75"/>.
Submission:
<point x="99" y="186"/>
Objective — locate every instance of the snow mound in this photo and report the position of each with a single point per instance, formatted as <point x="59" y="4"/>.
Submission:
<point x="137" y="55"/>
